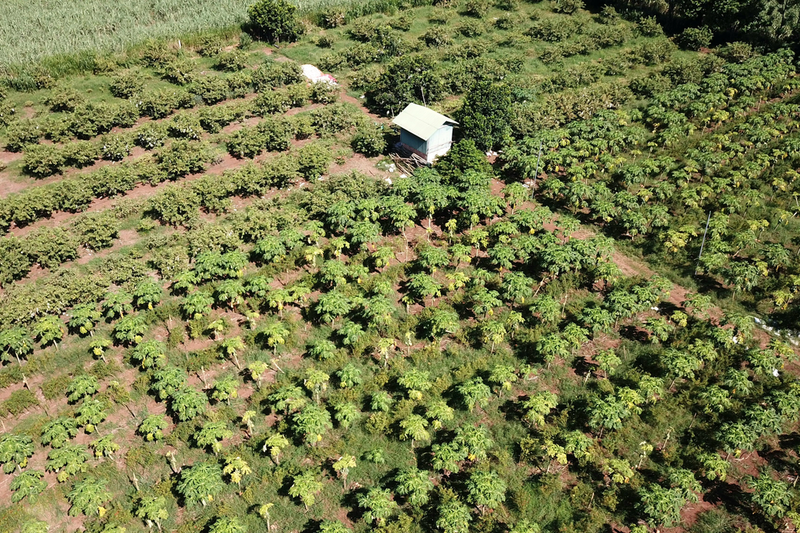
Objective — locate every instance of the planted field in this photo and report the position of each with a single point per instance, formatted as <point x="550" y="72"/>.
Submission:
<point x="224" y="309"/>
<point x="67" y="28"/>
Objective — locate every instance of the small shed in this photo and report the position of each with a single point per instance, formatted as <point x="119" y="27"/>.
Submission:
<point x="425" y="132"/>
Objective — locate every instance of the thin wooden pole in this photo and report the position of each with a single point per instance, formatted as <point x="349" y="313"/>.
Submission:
<point x="536" y="175"/>
<point x="702" y="245"/>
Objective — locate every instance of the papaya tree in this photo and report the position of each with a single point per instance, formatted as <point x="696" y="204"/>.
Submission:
<point x="200" y="483"/>
<point x="236" y="468"/>
<point x="305" y="486"/>
<point x="15" y="451"/>
<point x="88" y="497"/>
<point x="82" y="386"/>
<point x="152" y="427"/>
<point x="415" y="485"/>
<point x="67" y="461"/>
<point x="28" y="484"/>
<point x="152" y="509"/>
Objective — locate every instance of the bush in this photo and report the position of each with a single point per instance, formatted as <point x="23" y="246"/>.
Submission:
<point x="303" y="126"/>
<point x="651" y="85"/>
<point x="276" y="133"/>
<point x="552" y="30"/>
<point x="57" y="128"/>
<point x="401" y="23"/>
<point x="175" y="205"/>
<point x="695" y="38"/>
<point x="275" y="21"/>
<point x="567" y="7"/>
<point x="126" y="114"/>
<point x="270" y="102"/>
<point x="332" y="61"/>
<point x="185" y="126"/>
<point x="179" y="71"/>
<point x="127" y="84"/>
<point x="440" y="16"/>
<point x="80" y="154"/>
<point x="272" y="74"/>
<point x="151" y="136"/>
<point x="649" y="27"/>
<point x="49" y="247"/>
<point x="6" y="113"/>
<point x="608" y="36"/>
<point x="652" y="52"/>
<point x="369" y="140"/>
<point x="64" y="99"/>
<point x="42" y="160"/>
<point x="463" y="157"/>
<point x="213" y="119"/>
<point x="333" y="18"/>
<point x="736" y="52"/>
<point x="232" y="61"/>
<point x="240" y="84"/>
<point x="681" y="71"/>
<point x="335" y="118"/>
<point x="324" y="93"/>
<point x="364" y="30"/>
<point x="116" y="147"/>
<point x="245" y="41"/>
<point x="159" y="104"/>
<point x="298" y="94"/>
<point x="113" y="180"/>
<point x="210" y="45"/>
<point x="16" y="263"/>
<point x="146" y="171"/>
<point x="609" y="15"/>
<point x="73" y="195"/>
<point x="155" y="53"/>
<point x="436" y="37"/>
<point x="471" y="28"/>
<point x="96" y="230"/>
<point x="93" y="119"/>
<point x="21" y="134"/>
<point x="183" y="158"/>
<point x="313" y="160"/>
<point x="476" y="8"/>
<point x="245" y="143"/>
<point x="359" y="54"/>
<point x="212" y="89"/>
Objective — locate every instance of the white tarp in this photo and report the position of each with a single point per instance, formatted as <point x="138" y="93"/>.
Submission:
<point x="316" y="75"/>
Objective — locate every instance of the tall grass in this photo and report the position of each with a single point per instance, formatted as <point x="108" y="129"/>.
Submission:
<point x="32" y="30"/>
<point x="35" y="30"/>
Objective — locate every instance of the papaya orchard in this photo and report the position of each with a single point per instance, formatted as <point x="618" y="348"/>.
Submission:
<point x="217" y="316"/>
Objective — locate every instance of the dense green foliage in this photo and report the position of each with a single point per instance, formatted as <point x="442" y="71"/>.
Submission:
<point x="526" y="342"/>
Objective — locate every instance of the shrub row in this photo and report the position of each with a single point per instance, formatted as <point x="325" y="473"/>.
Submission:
<point x="76" y="193"/>
<point x="43" y="160"/>
<point x="275" y="134"/>
<point x="179" y="204"/>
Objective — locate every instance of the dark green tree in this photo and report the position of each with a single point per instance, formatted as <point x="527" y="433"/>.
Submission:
<point x="275" y="21"/>
<point x="485" y="116"/>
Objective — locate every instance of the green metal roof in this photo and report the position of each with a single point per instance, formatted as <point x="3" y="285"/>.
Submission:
<point x="421" y="121"/>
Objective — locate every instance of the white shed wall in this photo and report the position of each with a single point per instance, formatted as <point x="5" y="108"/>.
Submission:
<point x="439" y="143"/>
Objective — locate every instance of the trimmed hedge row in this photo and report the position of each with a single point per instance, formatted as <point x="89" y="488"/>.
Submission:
<point x="76" y="193"/>
<point x="44" y="160"/>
